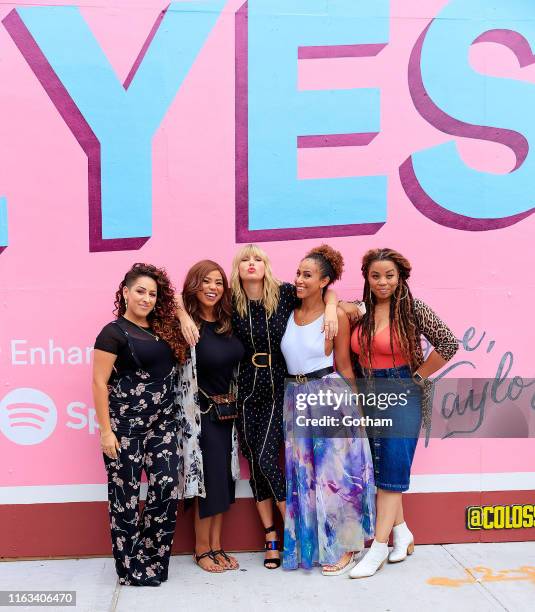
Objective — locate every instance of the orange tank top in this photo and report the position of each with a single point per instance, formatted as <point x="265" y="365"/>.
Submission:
<point x="381" y="350"/>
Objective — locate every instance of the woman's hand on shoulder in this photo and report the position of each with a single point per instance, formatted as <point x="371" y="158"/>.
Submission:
<point x="353" y="310"/>
<point x="189" y="330"/>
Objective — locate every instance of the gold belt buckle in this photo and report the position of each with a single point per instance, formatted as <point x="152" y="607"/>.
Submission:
<point x="301" y="379"/>
<point x="259" y="365"/>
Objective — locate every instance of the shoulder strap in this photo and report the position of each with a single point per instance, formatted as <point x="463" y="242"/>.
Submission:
<point x="203" y="392"/>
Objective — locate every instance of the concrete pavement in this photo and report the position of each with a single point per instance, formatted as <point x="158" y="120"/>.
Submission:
<point x="471" y="577"/>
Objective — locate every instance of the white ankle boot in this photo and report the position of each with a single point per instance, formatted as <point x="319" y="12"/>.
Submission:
<point x="372" y="562"/>
<point x="403" y="544"/>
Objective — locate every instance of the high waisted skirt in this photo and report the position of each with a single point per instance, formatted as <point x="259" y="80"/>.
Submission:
<point x="393" y="454"/>
<point x="330" y="494"/>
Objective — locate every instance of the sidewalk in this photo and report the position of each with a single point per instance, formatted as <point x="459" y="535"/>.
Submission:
<point x="471" y="577"/>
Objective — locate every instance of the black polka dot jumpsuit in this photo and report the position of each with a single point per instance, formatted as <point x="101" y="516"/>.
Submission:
<point x="261" y="392"/>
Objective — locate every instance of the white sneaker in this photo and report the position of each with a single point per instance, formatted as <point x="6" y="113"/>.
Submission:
<point x="403" y="544"/>
<point x="372" y="562"/>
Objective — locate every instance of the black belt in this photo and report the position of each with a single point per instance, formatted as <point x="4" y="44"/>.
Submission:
<point x="303" y="378"/>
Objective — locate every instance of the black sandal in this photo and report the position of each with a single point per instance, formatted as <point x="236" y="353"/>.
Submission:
<point x="226" y="557"/>
<point x="272" y="545"/>
<point x="209" y="554"/>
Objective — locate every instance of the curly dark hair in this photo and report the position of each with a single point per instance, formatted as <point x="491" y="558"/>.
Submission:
<point x="162" y="318"/>
<point x="402" y="318"/>
<point x="193" y="284"/>
<point x="330" y="262"/>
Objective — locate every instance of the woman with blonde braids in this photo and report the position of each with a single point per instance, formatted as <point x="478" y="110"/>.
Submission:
<point x="135" y="368"/>
<point x="387" y="342"/>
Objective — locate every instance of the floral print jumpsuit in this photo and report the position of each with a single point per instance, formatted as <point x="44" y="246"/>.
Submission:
<point x="142" y="412"/>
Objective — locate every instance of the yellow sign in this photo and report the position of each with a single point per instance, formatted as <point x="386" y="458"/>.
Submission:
<point x="500" y="517"/>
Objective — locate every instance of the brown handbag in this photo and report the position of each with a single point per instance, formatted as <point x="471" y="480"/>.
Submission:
<point x="222" y="407"/>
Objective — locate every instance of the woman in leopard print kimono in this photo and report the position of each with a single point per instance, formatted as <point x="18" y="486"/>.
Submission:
<point x="387" y="342"/>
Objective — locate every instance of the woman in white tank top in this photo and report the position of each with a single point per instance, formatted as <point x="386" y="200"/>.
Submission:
<point x="303" y="346"/>
<point x="330" y="494"/>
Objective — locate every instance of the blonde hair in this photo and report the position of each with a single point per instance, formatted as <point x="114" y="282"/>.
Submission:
<point x="271" y="292"/>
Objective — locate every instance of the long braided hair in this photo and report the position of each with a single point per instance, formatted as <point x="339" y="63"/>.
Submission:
<point x="162" y="318"/>
<point x="402" y="318"/>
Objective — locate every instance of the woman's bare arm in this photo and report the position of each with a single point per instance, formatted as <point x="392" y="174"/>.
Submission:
<point x="330" y="321"/>
<point x="341" y="348"/>
<point x="354" y="310"/>
<point x="189" y="330"/>
<point x="102" y="367"/>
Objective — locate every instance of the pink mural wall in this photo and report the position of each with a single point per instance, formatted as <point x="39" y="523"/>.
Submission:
<point x="57" y="291"/>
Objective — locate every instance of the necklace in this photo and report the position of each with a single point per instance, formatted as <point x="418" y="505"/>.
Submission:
<point x="306" y="318"/>
<point x="145" y="330"/>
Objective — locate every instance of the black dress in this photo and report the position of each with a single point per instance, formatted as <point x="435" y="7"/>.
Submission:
<point x="261" y="393"/>
<point x="142" y="414"/>
<point x="217" y="357"/>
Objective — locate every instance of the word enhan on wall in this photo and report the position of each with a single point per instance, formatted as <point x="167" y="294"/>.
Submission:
<point x="23" y="353"/>
<point x="115" y="122"/>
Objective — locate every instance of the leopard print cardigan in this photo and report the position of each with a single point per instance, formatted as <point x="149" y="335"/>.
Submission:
<point x="441" y="339"/>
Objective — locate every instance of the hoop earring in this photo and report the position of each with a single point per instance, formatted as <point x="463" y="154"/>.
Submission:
<point x="406" y="294"/>
<point x="370" y="295"/>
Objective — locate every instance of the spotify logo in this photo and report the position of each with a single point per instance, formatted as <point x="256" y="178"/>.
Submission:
<point x="27" y="416"/>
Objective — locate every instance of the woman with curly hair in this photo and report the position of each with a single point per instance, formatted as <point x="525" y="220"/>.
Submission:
<point x="387" y="342"/>
<point x="330" y="489"/>
<point x="206" y="298"/>
<point x="134" y="376"/>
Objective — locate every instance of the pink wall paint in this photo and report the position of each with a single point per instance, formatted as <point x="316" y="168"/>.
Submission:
<point x="53" y="288"/>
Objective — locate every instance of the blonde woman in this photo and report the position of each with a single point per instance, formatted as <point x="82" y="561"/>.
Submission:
<point x="261" y="308"/>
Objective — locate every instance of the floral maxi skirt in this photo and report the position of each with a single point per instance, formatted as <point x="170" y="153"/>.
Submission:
<point x="330" y="493"/>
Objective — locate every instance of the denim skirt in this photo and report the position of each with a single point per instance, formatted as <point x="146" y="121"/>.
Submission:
<point x="392" y="456"/>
